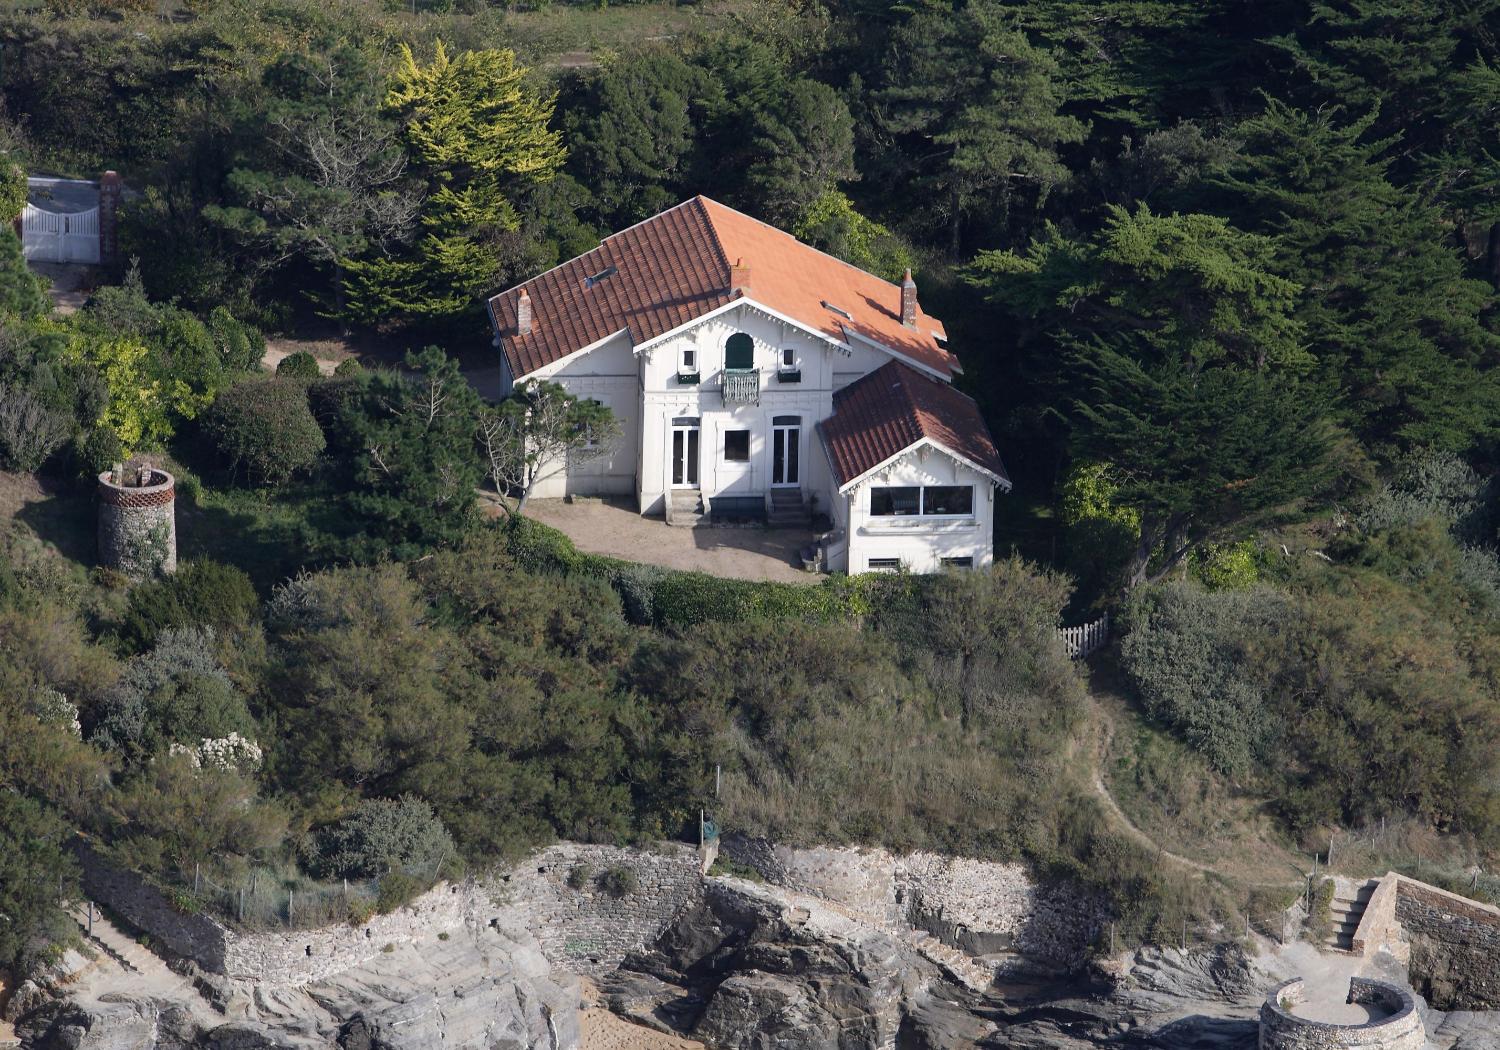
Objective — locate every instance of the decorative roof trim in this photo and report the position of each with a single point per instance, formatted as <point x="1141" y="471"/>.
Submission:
<point x="734" y="304"/>
<point x="843" y="489"/>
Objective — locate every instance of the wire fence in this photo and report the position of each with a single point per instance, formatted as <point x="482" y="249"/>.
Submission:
<point x="1281" y="926"/>
<point x="270" y="898"/>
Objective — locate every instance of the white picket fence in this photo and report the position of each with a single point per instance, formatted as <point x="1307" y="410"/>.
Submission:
<point x="1086" y="639"/>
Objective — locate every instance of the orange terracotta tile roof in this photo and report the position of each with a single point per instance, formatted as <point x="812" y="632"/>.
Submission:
<point x="886" y="412"/>
<point x="674" y="267"/>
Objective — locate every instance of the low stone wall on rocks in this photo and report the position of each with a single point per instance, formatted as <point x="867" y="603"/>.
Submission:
<point x="297" y="957"/>
<point x="980" y="907"/>
<point x="589" y="928"/>
<point x="1400" y="1029"/>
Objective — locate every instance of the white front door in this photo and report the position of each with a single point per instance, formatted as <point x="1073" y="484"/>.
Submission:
<point x="684" y="465"/>
<point x="786" y="454"/>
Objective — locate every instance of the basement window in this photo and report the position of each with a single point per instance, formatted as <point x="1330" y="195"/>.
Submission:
<point x="958" y="563"/>
<point x="884" y="564"/>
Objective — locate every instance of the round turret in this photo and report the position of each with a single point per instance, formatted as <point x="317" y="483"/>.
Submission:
<point x="138" y="520"/>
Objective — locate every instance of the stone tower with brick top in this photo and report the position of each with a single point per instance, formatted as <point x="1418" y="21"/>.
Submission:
<point x="138" y="520"/>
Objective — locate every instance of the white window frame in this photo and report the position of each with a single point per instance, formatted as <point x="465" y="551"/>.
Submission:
<point x="871" y="566"/>
<point x="921" y="514"/>
<point x="687" y="360"/>
<point x="782" y="364"/>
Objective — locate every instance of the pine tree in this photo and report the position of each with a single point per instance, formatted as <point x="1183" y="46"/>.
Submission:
<point x="1394" y="322"/>
<point x="477" y="134"/>
<point x="974" y="108"/>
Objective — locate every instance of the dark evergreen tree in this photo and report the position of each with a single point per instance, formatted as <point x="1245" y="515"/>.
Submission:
<point x="1185" y="362"/>
<point x="1390" y="315"/>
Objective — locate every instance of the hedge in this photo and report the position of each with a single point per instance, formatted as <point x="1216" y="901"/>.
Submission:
<point x="659" y="597"/>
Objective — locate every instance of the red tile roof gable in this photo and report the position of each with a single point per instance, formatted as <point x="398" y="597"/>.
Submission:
<point x="674" y="267"/>
<point x="881" y="415"/>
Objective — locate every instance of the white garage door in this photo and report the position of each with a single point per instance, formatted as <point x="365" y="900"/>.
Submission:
<point x="62" y="237"/>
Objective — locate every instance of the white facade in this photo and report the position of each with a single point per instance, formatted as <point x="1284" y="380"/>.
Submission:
<point x="680" y="433"/>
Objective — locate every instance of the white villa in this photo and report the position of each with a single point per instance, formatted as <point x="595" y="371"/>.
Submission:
<point x="756" y="376"/>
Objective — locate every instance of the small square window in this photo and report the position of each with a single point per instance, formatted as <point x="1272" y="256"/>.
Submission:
<point x="788" y="357"/>
<point x="884" y="564"/>
<point x="737" y="446"/>
<point x="689" y="361"/>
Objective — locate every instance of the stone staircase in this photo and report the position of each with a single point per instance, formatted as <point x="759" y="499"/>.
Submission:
<point x="967" y="969"/>
<point x="788" y="510"/>
<point x="1348" y="907"/>
<point x="117" y="944"/>
<point x="685" y="508"/>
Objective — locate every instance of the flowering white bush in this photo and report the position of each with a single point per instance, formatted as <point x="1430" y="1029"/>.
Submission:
<point x="228" y="752"/>
<point x="54" y="708"/>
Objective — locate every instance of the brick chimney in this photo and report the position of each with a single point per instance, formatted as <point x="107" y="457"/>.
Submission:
<point x="110" y="189"/>
<point x="739" y="278"/>
<point x="523" y="313"/>
<point x="908" y="300"/>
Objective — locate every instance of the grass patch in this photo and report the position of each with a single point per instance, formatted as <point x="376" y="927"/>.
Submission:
<point x="564" y="36"/>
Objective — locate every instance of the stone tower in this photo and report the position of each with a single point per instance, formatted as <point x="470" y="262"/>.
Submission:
<point x="138" y="520"/>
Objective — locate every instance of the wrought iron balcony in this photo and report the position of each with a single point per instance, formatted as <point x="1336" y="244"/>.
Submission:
<point x="741" y="386"/>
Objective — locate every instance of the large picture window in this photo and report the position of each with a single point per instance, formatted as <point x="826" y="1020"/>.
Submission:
<point x="935" y="501"/>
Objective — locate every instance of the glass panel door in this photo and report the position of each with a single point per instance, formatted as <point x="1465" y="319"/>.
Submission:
<point x="685" y="457"/>
<point x="785" y="451"/>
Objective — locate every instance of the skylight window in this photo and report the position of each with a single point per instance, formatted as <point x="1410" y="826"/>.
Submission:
<point x="607" y="272"/>
<point x="838" y="310"/>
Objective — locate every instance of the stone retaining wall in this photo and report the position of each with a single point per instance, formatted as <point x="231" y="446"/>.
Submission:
<point x="1402" y="1029"/>
<point x="297" y="957"/>
<point x="589" y="930"/>
<point x="195" y="937"/>
<point x="1450" y="943"/>
<point x="980" y="907"/>
<point x="1454" y="946"/>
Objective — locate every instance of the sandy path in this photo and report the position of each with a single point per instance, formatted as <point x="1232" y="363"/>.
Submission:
<point x="603" y="1030"/>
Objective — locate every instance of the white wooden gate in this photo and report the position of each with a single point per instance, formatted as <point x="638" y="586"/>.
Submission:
<point x="61" y="237"/>
<point x="1084" y="640"/>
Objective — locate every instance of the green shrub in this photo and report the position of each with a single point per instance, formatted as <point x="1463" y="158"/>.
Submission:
<point x="396" y="891"/>
<point x="383" y="836"/>
<point x="300" y="365"/>
<point x="201" y="593"/>
<point x="265" y="428"/>
<point x="240" y="346"/>
<point x="619" y="881"/>
<point x="579" y="876"/>
<point x="1227" y="566"/>
<point x="99" y="450"/>
<point x="349" y="366"/>
<point x="1183" y="651"/>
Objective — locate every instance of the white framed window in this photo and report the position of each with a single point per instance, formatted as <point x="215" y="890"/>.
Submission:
<point x="788" y="359"/>
<point x="929" y="501"/>
<point x="737" y="446"/>
<point x="884" y="564"/>
<point x="687" y="360"/>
